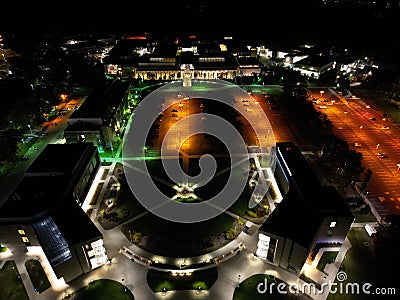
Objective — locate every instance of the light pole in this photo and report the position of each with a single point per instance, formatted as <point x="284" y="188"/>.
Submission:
<point x="359" y="129"/>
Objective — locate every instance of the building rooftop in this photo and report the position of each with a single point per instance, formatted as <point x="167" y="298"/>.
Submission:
<point x="166" y="49"/>
<point x="290" y="220"/>
<point x="68" y="225"/>
<point x="33" y="198"/>
<point x="59" y="159"/>
<point x="47" y="183"/>
<point x="103" y="101"/>
<point x="315" y="61"/>
<point x="215" y="61"/>
<point x="74" y="223"/>
<point x="300" y="213"/>
<point x="82" y="127"/>
<point x="248" y="61"/>
<point x="126" y="47"/>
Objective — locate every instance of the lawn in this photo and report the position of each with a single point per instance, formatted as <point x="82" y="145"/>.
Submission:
<point x="127" y="206"/>
<point x="364" y="216"/>
<point x="104" y="289"/>
<point x="361" y="267"/>
<point x="262" y="287"/>
<point x="37" y="275"/>
<point x="326" y="258"/>
<point x="241" y="205"/>
<point x="160" y="177"/>
<point x="11" y="286"/>
<point x="180" y="239"/>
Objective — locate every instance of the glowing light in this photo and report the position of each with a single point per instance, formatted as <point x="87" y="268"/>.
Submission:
<point x="184" y="191"/>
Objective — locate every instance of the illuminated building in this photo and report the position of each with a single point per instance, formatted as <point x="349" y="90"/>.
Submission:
<point x="102" y="115"/>
<point x="45" y="210"/>
<point x="309" y="217"/>
<point x="174" y="60"/>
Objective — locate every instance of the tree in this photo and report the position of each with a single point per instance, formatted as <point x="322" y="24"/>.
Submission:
<point x="343" y="83"/>
<point x="343" y="164"/>
<point x="386" y="241"/>
<point x="367" y="178"/>
<point x="9" y="146"/>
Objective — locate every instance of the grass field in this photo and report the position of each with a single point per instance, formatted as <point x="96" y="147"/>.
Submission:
<point x="11" y="286"/>
<point x="104" y="289"/>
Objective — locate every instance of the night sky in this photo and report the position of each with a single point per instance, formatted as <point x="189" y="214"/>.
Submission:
<point x="283" y="19"/>
<point x="281" y="15"/>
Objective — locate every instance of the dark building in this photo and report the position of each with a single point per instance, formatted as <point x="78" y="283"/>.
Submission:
<point x="310" y="215"/>
<point x="102" y="116"/>
<point x="45" y="210"/>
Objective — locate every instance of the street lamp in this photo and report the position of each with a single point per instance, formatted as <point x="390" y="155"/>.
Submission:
<point x="358" y="132"/>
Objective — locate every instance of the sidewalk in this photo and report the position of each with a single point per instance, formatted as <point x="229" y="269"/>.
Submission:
<point x="235" y="262"/>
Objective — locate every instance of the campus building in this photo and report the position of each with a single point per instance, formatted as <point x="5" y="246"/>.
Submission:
<point x="102" y="116"/>
<point x="314" y="66"/>
<point x="309" y="217"/>
<point x="45" y="210"/>
<point x="144" y="59"/>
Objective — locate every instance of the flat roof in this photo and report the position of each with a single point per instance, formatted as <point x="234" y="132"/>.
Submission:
<point x="126" y="47"/>
<point x="102" y="101"/>
<point x="74" y="223"/>
<point x="315" y="61"/>
<point x="165" y="50"/>
<point x="207" y="48"/>
<point x="213" y="62"/>
<point x="47" y="183"/>
<point x="32" y="199"/>
<point x="116" y="60"/>
<point x="290" y="220"/>
<point x="68" y="225"/>
<point x="82" y="127"/>
<point x="300" y="213"/>
<point x="60" y="158"/>
<point x="248" y="60"/>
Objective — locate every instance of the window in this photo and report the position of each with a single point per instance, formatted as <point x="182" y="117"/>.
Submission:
<point x="211" y="59"/>
<point x="332" y="226"/>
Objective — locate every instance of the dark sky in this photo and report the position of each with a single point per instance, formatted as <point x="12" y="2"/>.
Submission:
<point x="282" y="19"/>
<point x="298" y="16"/>
<point x="180" y="15"/>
